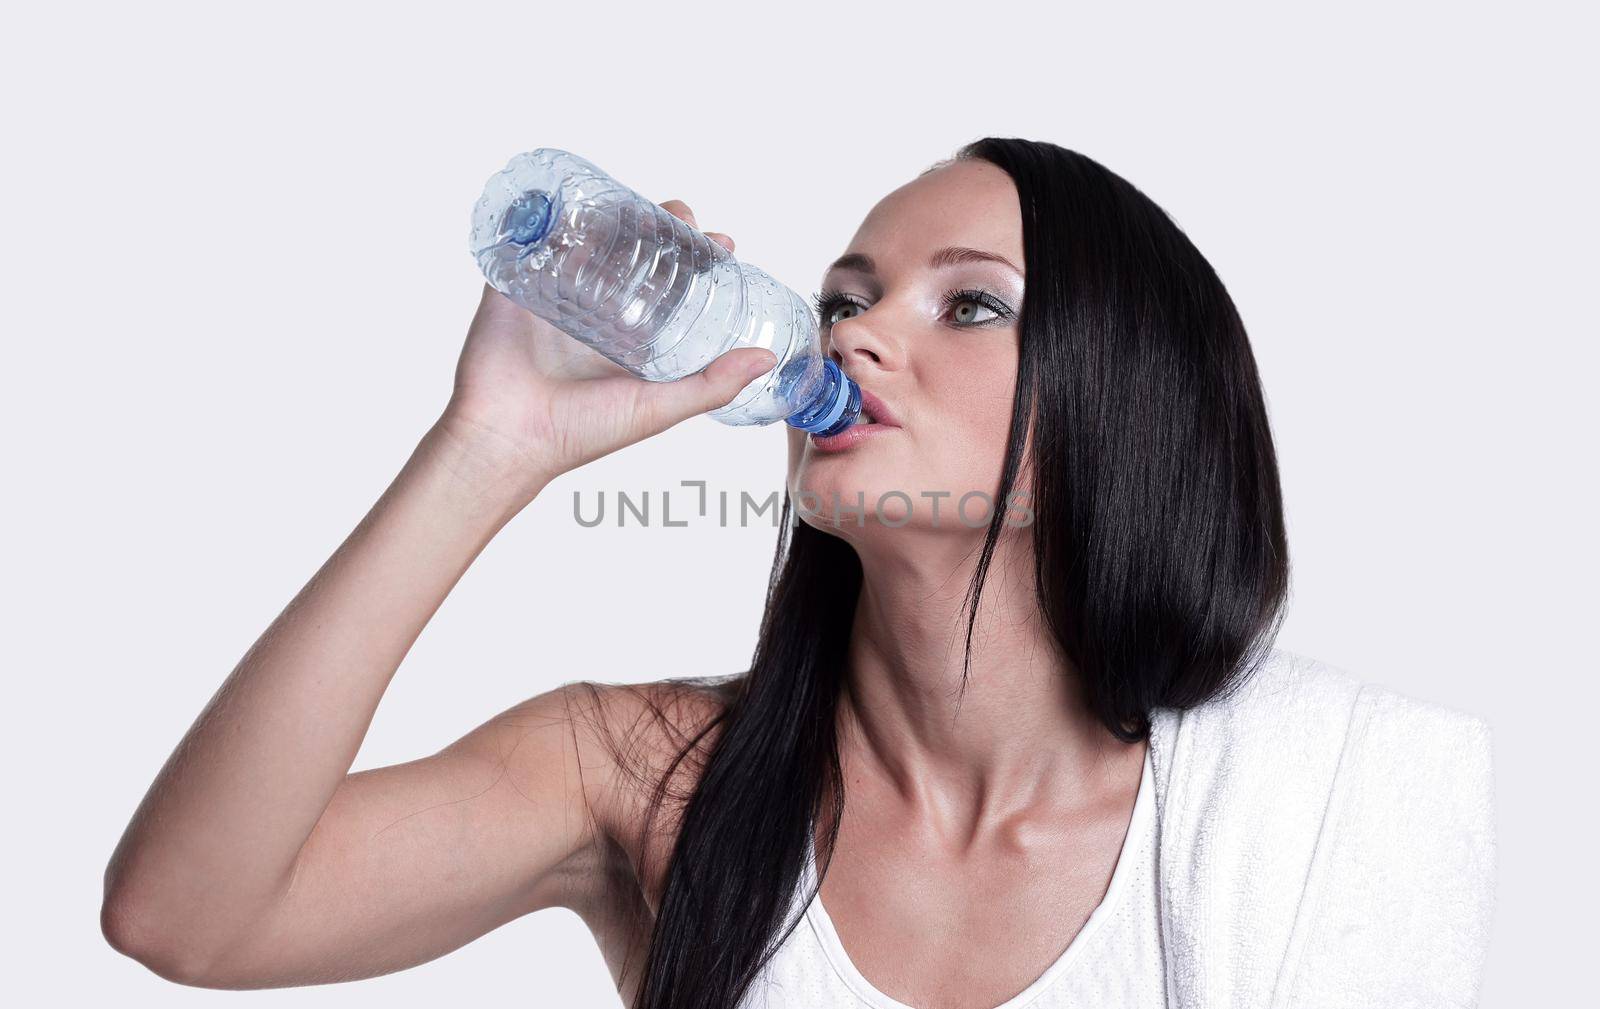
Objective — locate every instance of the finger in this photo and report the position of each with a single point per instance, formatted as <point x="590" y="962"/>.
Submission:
<point x="663" y="404"/>
<point x="721" y="239"/>
<point x="680" y="210"/>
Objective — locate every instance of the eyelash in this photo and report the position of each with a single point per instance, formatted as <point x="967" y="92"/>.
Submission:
<point x="828" y="300"/>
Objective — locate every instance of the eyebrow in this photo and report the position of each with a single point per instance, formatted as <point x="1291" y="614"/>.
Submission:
<point x="950" y="255"/>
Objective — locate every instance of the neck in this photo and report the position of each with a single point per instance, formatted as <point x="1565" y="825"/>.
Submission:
<point x="1018" y="732"/>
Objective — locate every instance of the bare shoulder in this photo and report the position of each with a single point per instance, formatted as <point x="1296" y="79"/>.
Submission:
<point x="640" y="748"/>
<point x="643" y="747"/>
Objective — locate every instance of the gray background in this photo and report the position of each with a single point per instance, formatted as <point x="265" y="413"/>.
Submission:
<point x="236" y="285"/>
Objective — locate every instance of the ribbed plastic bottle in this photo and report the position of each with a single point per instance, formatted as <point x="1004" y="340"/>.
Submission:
<point x="572" y="245"/>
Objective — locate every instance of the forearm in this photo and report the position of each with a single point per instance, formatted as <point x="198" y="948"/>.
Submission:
<point x="218" y="832"/>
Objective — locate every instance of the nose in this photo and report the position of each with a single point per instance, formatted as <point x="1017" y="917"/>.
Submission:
<point x="854" y="343"/>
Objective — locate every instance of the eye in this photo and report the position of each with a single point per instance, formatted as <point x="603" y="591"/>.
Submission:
<point x="849" y="308"/>
<point x="967" y="309"/>
<point x="963" y="306"/>
<point x="830" y="303"/>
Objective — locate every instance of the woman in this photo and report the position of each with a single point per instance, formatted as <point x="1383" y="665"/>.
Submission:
<point x="1043" y="756"/>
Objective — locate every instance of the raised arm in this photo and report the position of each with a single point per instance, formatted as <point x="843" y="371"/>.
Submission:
<point x="256" y="859"/>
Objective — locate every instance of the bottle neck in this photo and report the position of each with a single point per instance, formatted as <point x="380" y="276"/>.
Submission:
<point x="835" y="407"/>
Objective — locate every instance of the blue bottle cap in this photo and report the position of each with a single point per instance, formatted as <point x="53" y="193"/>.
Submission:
<point x="527" y="220"/>
<point x="835" y="409"/>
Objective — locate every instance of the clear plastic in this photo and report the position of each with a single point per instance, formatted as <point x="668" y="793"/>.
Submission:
<point x="564" y="240"/>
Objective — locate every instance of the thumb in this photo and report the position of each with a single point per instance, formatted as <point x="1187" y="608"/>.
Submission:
<point x="666" y="403"/>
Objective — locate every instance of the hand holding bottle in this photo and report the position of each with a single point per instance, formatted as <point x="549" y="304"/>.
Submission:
<point x="648" y="290"/>
<point x="531" y="400"/>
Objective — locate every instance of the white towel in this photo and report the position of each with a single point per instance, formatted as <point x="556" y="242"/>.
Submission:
<point x="1323" y="842"/>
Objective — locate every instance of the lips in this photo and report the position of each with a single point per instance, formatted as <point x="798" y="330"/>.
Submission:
<point x="876" y="420"/>
<point x="875" y="410"/>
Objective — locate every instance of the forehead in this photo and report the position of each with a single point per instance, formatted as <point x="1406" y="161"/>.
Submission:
<point x="971" y="203"/>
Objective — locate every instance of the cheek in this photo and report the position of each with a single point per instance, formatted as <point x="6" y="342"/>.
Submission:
<point x="974" y="395"/>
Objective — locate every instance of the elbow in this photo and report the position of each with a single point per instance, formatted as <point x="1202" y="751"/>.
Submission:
<point x="132" y="933"/>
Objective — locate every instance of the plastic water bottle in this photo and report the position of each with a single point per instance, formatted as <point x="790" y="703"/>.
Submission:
<point x="564" y="240"/>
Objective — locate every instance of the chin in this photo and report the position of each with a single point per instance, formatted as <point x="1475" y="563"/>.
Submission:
<point x="831" y="495"/>
<point x="838" y="492"/>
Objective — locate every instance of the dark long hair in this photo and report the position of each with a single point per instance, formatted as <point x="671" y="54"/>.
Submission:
<point x="1158" y="532"/>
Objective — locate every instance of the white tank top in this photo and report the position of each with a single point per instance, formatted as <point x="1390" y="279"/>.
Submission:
<point x="1114" y="962"/>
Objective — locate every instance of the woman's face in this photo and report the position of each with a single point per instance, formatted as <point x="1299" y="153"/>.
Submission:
<point x="932" y="334"/>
